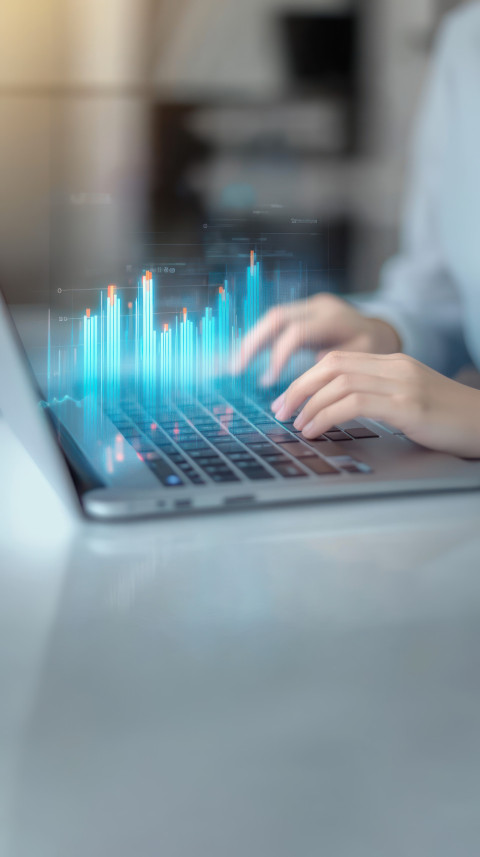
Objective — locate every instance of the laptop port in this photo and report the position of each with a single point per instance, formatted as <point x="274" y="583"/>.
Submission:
<point x="183" y="504"/>
<point x="239" y="501"/>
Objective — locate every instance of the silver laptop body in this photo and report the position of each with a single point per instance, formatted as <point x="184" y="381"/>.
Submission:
<point x="207" y="453"/>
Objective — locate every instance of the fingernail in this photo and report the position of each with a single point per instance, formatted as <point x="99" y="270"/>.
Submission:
<point x="281" y="414"/>
<point x="308" y="429"/>
<point x="298" y="424"/>
<point x="278" y="403"/>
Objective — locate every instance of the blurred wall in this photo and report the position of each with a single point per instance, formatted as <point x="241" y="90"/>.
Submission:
<point x="78" y="81"/>
<point x="221" y="50"/>
<point x="73" y="137"/>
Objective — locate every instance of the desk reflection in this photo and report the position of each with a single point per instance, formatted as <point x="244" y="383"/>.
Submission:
<point x="214" y="689"/>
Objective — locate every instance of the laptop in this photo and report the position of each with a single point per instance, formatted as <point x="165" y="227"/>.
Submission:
<point x="207" y="450"/>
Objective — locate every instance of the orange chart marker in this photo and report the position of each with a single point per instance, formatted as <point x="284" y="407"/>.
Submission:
<point x="252" y="260"/>
<point x="111" y="290"/>
<point x="184" y="314"/>
<point x="87" y="312"/>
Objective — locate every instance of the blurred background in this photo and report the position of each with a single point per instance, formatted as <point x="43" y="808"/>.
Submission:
<point x="127" y="125"/>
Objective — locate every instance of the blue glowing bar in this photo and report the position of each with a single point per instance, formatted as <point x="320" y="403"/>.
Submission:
<point x="172" y="361"/>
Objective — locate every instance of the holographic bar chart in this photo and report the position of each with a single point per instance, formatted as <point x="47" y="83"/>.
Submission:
<point x="129" y="349"/>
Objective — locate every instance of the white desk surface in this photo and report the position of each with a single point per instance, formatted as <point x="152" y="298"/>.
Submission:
<point x="298" y="682"/>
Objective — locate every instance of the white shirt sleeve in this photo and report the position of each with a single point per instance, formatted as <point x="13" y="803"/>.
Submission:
<point x="417" y="296"/>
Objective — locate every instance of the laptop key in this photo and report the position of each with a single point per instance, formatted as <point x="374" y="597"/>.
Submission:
<point x="299" y="450"/>
<point x="319" y="466"/>
<point x="239" y="456"/>
<point x="165" y="474"/>
<point x="361" y="433"/>
<point x="257" y="473"/>
<point x="175" y="456"/>
<point x="249" y="437"/>
<point x="191" y="475"/>
<point x="247" y="463"/>
<point x="129" y="432"/>
<point x="208" y="462"/>
<point x="266" y="427"/>
<point x="121" y="424"/>
<point x="208" y="452"/>
<point x="317" y="443"/>
<point x="261" y="448"/>
<point x="224" y="477"/>
<point x="337" y="435"/>
<point x="217" y="467"/>
<point x="289" y="470"/>
<point x="232" y="446"/>
<point x="276" y="458"/>
<point x="152" y="456"/>
<point x="193" y="446"/>
<point x="279" y="438"/>
<point x="167" y="448"/>
<point x="140" y="444"/>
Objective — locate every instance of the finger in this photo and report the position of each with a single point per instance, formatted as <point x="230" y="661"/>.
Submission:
<point x="335" y="363"/>
<point x="296" y="334"/>
<point x="360" y="343"/>
<point x="341" y="386"/>
<point x="267" y="328"/>
<point x="367" y="405"/>
<point x="286" y="344"/>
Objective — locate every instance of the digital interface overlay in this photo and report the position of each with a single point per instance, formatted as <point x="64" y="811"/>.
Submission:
<point x="134" y="342"/>
<point x="162" y="334"/>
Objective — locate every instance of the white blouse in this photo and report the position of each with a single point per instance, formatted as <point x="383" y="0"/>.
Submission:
<point x="430" y="291"/>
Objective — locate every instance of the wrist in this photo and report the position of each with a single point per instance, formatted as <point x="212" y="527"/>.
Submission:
<point x="468" y="411"/>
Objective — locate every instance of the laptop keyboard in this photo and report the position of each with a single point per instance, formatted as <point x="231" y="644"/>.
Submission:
<point x="224" y="440"/>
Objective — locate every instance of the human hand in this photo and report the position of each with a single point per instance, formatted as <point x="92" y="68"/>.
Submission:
<point x="427" y="407"/>
<point x="321" y="322"/>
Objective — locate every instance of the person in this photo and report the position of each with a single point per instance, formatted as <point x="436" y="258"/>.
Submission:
<point x="392" y="357"/>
